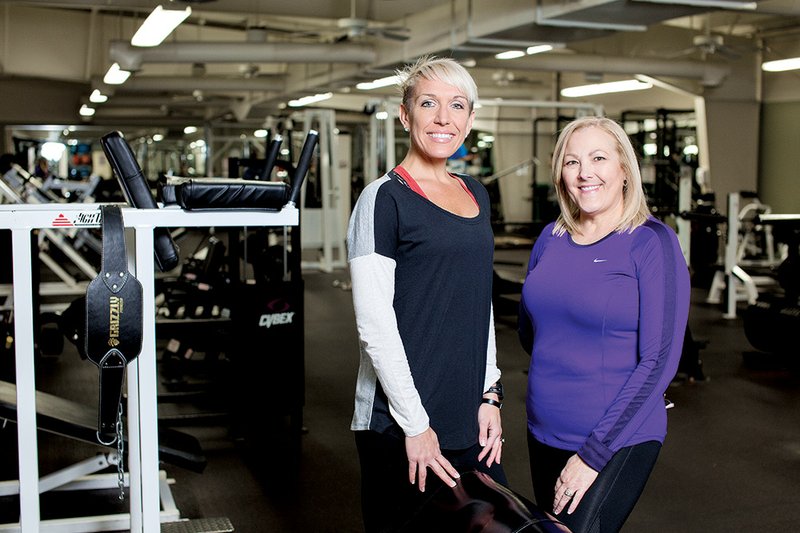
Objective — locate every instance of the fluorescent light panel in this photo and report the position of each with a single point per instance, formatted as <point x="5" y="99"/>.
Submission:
<point x="86" y="111"/>
<point x="781" y="65"/>
<point x="604" y="88"/>
<point x="538" y="49"/>
<point x="160" y="23"/>
<point x="514" y="54"/>
<point x="306" y="100"/>
<point x="115" y="75"/>
<point x="377" y="84"/>
<point x="510" y="54"/>
<point x="97" y="97"/>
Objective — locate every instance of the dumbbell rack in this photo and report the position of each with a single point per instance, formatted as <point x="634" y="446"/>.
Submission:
<point x="142" y="413"/>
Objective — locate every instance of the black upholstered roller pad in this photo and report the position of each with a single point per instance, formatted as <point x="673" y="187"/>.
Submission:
<point x="216" y="193"/>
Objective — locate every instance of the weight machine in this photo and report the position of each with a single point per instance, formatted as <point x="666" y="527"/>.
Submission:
<point x="145" y="485"/>
<point x="749" y="249"/>
<point x="147" y="228"/>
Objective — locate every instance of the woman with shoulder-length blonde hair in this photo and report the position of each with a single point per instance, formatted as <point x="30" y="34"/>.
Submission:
<point x="603" y="312"/>
<point x="635" y="212"/>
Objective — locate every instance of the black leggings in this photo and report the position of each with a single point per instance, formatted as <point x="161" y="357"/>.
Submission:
<point x="387" y="498"/>
<point x="611" y="498"/>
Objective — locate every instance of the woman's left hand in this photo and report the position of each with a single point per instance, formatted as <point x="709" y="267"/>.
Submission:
<point x="490" y="433"/>
<point x="572" y="484"/>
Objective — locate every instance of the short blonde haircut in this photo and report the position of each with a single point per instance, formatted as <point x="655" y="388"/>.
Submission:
<point x="442" y="69"/>
<point x="635" y="211"/>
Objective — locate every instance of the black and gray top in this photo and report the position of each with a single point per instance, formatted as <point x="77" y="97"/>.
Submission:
<point x="422" y="288"/>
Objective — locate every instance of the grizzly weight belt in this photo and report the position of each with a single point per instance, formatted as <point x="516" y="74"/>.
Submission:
<point x="113" y="322"/>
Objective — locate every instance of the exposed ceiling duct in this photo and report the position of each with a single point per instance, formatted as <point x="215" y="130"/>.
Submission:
<point x="132" y="58"/>
<point x="192" y="83"/>
<point x="625" y="15"/>
<point x="708" y="74"/>
<point x="230" y="56"/>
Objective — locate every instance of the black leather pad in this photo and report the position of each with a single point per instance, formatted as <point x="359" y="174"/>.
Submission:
<point x="218" y="193"/>
<point x="137" y="193"/>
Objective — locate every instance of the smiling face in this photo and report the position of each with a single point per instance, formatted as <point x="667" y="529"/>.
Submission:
<point x="438" y="119"/>
<point x="592" y="173"/>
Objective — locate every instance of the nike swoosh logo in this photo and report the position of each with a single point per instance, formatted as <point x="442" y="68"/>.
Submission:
<point x="599" y="260"/>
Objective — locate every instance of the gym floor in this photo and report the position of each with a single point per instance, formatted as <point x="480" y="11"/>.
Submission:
<point x="731" y="461"/>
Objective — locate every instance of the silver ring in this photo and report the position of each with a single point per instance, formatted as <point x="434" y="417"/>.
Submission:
<point x="568" y="493"/>
<point x="502" y="439"/>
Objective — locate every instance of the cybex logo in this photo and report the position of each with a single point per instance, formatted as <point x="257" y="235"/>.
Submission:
<point x="273" y="319"/>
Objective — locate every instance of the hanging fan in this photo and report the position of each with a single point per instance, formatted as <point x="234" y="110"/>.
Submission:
<point x="710" y="44"/>
<point x="355" y="27"/>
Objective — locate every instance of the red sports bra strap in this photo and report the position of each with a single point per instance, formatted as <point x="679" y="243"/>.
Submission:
<point x="412" y="183"/>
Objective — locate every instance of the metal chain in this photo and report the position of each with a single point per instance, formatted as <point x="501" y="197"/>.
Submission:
<point x="120" y="452"/>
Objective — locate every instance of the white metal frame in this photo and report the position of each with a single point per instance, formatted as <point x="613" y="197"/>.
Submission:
<point x="683" y="225"/>
<point x="741" y="286"/>
<point x="68" y="285"/>
<point x="142" y="380"/>
<point x="322" y="227"/>
<point x="83" y="476"/>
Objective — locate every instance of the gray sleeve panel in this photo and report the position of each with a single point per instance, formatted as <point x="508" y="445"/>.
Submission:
<point x="361" y="229"/>
<point x="382" y="352"/>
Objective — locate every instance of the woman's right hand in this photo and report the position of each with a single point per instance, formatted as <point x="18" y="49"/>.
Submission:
<point x="423" y="452"/>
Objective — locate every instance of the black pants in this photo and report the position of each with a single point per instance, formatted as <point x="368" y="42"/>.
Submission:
<point x="387" y="497"/>
<point x="611" y="498"/>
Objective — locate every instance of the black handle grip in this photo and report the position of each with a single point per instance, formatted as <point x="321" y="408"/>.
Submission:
<point x="272" y="156"/>
<point x="302" y="165"/>
<point x="112" y="376"/>
<point x="137" y="193"/>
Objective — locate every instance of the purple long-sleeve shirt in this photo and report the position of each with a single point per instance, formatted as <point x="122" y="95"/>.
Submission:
<point x="604" y="323"/>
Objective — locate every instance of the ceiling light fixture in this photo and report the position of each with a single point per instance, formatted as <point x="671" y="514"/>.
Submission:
<point x="781" y="65"/>
<point x="377" y="84"/>
<point x="604" y="88"/>
<point x="306" y="100"/>
<point x="160" y="23"/>
<point x="511" y="54"/>
<point x="530" y="50"/>
<point x="115" y="75"/>
<point x="86" y="111"/>
<point x="97" y="97"/>
<point x="538" y="49"/>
